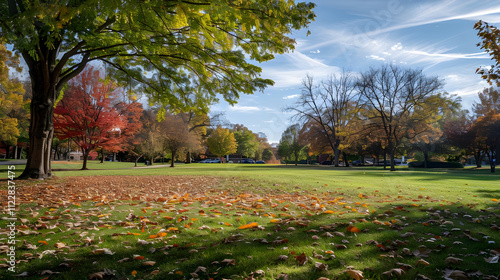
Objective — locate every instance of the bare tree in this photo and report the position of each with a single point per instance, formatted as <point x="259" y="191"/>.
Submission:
<point x="396" y="98"/>
<point x="330" y="104"/>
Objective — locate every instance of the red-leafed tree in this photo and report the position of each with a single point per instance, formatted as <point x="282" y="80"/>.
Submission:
<point x="85" y="114"/>
<point x="130" y="113"/>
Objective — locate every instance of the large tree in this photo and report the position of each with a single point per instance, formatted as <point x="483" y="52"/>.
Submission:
<point x="399" y="100"/>
<point x="169" y="47"/>
<point x="221" y="142"/>
<point x="331" y="106"/>
<point x="85" y="114"/>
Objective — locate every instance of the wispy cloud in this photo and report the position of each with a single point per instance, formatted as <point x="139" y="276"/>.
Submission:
<point x="294" y="67"/>
<point x="291" y="96"/>
<point x="239" y="108"/>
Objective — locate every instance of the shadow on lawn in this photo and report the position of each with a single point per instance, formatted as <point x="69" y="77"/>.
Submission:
<point x="449" y="230"/>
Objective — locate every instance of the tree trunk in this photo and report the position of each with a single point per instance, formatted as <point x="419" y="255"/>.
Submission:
<point x="426" y="158"/>
<point x="102" y="155"/>
<point x="173" y="159"/>
<point x="492" y="161"/>
<point x="336" y="156"/>
<point x="86" y="153"/>
<point x="478" y="158"/>
<point x="393" y="167"/>
<point x="345" y="159"/>
<point x="41" y="133"/>
<point x="385" y="159"/>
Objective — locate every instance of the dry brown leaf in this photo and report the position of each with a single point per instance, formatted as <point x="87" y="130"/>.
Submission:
<point x="150" y="263"/>
<point x="321" y="266"/>
<point x="452" y="260"/>
<point x="354" y="274"/>
<point x="229" y="261"/>
<point x="395" y="272"/>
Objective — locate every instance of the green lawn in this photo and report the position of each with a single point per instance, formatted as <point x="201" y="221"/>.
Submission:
<point x="409" y="222"/>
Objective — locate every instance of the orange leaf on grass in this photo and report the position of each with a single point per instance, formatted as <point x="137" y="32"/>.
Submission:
<point x="168" y="218"/>
<point x="139" y="258"/>
<point x="329" y="212"/>
<point x="250" y="225"/>
<point x="275" y="221"/>
<point x="228" y="224"/>
<point x="43" y="242"/>
<point x="353" y="229"/>
<point x="494" y="199"/>
<point x="134" y="273"/>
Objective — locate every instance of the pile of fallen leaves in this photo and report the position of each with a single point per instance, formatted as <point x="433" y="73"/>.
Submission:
<point x="182" y="227"/>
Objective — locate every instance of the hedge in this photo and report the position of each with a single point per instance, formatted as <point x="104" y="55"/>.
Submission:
<point x="435" y="164"/>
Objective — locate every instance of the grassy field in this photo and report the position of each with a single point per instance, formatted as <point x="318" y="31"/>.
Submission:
<point x="234" y="221"/>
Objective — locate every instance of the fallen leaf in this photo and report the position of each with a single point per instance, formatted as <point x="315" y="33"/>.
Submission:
<point x="302" y="258"/>
<point x="250" y="225"/>
<point x="150" y="263"/>
<point x="395" y="272"/>
<point x="354" y="274"/>
<point x="229" y="261"/>
<point x="321" y="266"/>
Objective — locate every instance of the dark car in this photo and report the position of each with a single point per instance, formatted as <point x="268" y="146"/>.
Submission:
<point x="260" y="162"/>
<point x="357" y="163"/>
<point x="247" y="160"/>
<point x="327" y="162"/>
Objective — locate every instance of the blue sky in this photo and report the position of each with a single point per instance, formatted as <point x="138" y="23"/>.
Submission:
<point x="435" y="36"/>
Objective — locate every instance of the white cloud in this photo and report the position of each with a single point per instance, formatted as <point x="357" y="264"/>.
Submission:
<point x="268" y="121"/>
<point x="397" y="47"/>
<point x="376" y="57"/>
<point x="291" y="96"/>
<point x="239" y="108"/>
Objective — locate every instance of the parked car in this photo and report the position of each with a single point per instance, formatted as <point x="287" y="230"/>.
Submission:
<point x="326" y="162"/>
<point x="247" y="160"/>
<point x="207" y="160"/>
<point x="260" y="162"/>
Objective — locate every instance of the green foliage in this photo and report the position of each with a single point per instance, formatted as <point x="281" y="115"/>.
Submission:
<point x="267" y="154"/>
<point x="247" y="143"/>
<point x="180" y="53"/>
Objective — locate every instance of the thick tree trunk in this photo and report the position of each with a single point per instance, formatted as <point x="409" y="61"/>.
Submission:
<point x="385" y="159"/>
<point x="137" y="159"/>
<point x="41" y="133"/>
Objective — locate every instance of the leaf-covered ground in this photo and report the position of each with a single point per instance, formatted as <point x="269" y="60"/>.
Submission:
<point x="194" y="227"/>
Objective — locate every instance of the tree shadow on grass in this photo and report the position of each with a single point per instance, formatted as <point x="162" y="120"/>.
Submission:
<point x="375" y="246"/>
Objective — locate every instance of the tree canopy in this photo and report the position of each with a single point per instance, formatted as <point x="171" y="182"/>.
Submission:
<point x="180" y="53"/>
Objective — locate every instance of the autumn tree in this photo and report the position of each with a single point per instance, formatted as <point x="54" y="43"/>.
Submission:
<point x="397" y="98"/>
<point x="489" y="100"/>
<point x="490" y="43"/>
<point x="165" y="46"/>
<point x="331" y="105"/>
<point x="149" y="139"/>
<point x="222" y="142"/>
<point x="13" y="113"/>
<point x="85" y="114"/>
<point x="487" y="129"/>
<point x="177" y="137"/>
